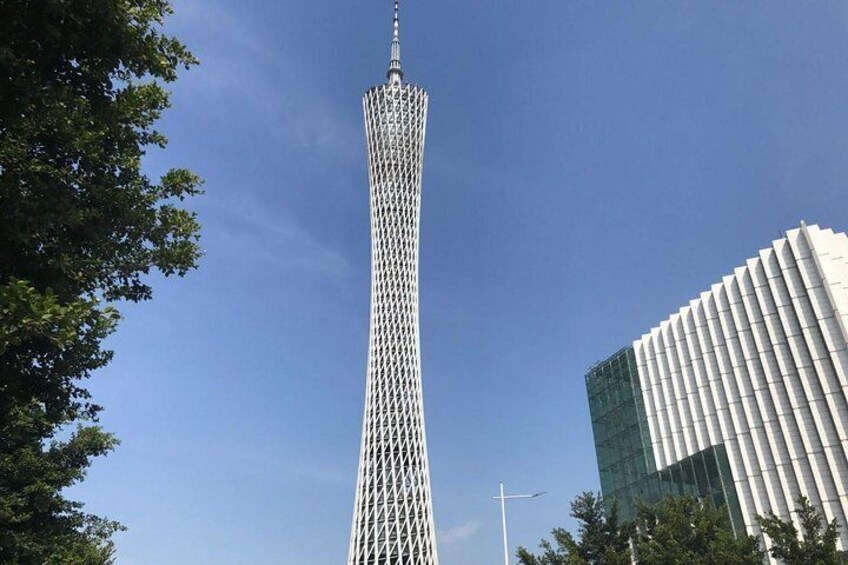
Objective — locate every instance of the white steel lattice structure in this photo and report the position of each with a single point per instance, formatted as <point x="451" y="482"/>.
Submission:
<point x="393" y="515"/>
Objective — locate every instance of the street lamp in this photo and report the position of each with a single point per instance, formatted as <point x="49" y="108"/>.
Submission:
<point x="503" y="498"/>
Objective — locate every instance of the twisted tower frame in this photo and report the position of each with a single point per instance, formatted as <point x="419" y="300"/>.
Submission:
<point x="393" y="515"/>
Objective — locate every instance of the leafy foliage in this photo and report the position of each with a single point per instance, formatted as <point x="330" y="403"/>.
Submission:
<point x="687" y="531"/>
<point x="674" y="531"/>
<point x="816" y="543"/>
<point x="81" y="87"/>
<point x="602" y="540"/>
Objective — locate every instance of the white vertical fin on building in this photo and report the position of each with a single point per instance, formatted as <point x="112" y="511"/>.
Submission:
<point x="759" y="363"/>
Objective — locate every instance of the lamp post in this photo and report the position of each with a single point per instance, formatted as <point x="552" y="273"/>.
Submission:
<point x="503" y="498"/>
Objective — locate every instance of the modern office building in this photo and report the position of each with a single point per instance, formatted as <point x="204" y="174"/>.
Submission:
<point x="393" y="514"/>
<point x="742" y="395"/>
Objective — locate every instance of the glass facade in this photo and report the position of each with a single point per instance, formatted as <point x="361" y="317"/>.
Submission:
<point x="622" y="439"/>
<point x="703" y="475"/>
<point x="625" y="458"/>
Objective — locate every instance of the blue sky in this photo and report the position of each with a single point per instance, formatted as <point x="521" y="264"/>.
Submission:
<point x="591" y="166"/>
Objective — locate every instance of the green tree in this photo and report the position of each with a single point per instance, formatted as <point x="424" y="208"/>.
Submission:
<point x="603" y="540"/>
<point x="687" y="531"/>
<point x="816" y="543"/>
<point x="81" y="87"/>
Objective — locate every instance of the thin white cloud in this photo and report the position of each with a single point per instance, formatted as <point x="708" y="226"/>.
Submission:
<point x="459" y="533"/>
<point x="251" y="460"/>
<point x="214" y="17"/>
<point x="247" y="230"/>
<point x="242" y="69"/>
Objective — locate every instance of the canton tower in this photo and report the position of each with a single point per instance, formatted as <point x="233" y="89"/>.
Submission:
<point x="393" y="513"/>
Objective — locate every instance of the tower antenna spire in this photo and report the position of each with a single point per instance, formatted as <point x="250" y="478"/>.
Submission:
<point x="395" y="73"/>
